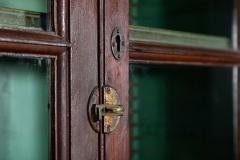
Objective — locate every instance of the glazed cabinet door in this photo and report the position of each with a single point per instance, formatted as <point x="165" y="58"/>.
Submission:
<point x="34" y="103"/>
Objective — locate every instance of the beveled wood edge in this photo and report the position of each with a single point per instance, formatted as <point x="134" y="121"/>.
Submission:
<point x="30" y="37"/>
<point x="62" y="108"/>
<point x="62" y="18"/>
<point x="143" y="52"/>
<point x="59" y="107"/>
<point x="27" y="49"/>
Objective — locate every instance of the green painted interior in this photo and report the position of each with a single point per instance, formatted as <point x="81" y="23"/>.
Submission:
<point x="29" y="5"/>
<point x="23" y="109"/>
<point x="211" y="17"/>
<point x="181" y="113"/>
<point x="158" y="35"/>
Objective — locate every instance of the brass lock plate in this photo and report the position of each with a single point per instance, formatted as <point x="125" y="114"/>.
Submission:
<point x="110" y="119"/>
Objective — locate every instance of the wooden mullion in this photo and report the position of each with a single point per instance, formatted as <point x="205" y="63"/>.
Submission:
<point x="83" y="76"/>
<point x="30" y="50"/>
<point x="62" y="19"/>
<point x="62" y="109"/>
<point x="29" y="36"/>
<point x="162" y="53"/>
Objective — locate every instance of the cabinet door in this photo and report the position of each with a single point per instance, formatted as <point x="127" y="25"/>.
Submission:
<point x="34" y="81"/>
<point x="184" y="92"/>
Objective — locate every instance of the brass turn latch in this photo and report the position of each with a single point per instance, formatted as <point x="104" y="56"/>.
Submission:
<point x="103" y="110"/>
<point x="109" y="113"/>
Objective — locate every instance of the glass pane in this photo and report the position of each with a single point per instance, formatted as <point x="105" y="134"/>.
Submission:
<point x="26" y="14"/>
<point x="24" y="109"/>
<point x="173" y="18"/>
<point x="181" y="113"/>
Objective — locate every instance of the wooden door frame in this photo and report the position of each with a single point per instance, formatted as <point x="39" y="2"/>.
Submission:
<point x="54" y="46"/>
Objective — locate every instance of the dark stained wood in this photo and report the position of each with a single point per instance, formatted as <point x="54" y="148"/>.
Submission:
<point x="29" y="37"/>
<point x="32" y="50"/>
<point x="116" y="75"/>
<point x="62" y="109"/>
<point x="83" y="76"/>
<point x="236" y="80"/>
<point x="51" y="45"/>
<point x="52" y="106"/>
<point x="143" y="52"/>
<point x="101" y="72"/>
<point x="61" y="17"/>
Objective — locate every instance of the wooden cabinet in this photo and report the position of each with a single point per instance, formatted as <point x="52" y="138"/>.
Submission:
<point x="177" y="71"/>
<point x="73" y="37"/>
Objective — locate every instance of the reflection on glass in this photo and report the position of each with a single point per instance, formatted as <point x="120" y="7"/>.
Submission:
<point x="26" y="14"/>
<point x="23" y="109"/>
<point x="208" y="19"/>
<point x="211" y="17"/>
<point x="181" y="113"/>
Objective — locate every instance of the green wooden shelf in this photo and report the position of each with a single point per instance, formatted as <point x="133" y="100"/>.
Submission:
<point x="156" y="35"/>
<point x="15" y="18"/>
<point x="24" y="14"/>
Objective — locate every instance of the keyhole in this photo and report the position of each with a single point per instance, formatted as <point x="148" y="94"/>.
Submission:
<point x="118" y="40"/>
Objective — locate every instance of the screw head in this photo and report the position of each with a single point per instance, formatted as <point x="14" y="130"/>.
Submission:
<point x="108" y="90"/>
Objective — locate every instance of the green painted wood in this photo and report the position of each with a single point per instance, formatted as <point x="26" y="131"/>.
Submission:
<point x="24" y="14"/>
<point x="23" y="109"/>
<point x="181" y="112"/>
<point x="29" y="5"/>
<point x="147" y="34"/>
<point x="12" y="18"/>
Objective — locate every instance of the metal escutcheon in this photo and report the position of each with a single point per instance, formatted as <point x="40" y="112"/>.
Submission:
<point x="117" y="43"/>
<point x="110" y="112"/>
